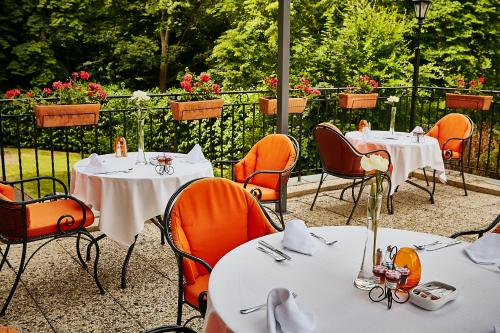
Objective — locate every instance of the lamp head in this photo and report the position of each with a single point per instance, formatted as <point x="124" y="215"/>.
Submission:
<point x="421" y="7"/>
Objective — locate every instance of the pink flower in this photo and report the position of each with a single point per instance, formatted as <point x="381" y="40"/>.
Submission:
<point x="196" y="84"/>
<point x="84" y="75"/>
<point x="66" y="85"/>
<point x="187" y="77"/>
<point x="94" y="86"/>
<point x="481" y="79"/>
<point x="373" y="83"/>
<point x="308" y="90"/>
<point x="46" y="91"/>
<point x="305" y="81"/>
<point x="102" y="94"/>
<point x="216" y="88"/>
<point x="461" y="82"/>
<point x="57" y="85"/>
<point x="12" y="93"/>
<point x="204" y="77"/>
<point x="74" y="75"/>
<point x="316" y="92"/>
<point x="472" y="83"/>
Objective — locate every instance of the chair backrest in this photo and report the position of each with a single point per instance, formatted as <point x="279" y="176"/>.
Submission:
<point x="13" y="224"/>
<point x="273" y="152"/>
<point x="209" y="217"/>
<point x="336" y="153"/>
<point x="453" y="125"/>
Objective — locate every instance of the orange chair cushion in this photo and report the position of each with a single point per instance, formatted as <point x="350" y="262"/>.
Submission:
<point x="7" y="192"/>
<point x="193" y="290"/>
<point x="273" y="152"/>
<point x="268" y="194"/>
<point x="497" y="229"/>
<point x="453" y="125"/>
<point x="211" y="217"/>
<point x="454" y="155"/>
<point x="42" y="217"/>
<point x="5" y="329"/>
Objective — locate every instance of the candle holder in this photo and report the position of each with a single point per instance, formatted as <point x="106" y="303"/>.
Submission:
<point x="163" y="164"/>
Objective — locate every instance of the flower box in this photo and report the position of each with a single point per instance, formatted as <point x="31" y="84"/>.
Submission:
<point x="269" y="106"/>
<point x="191" y="110"/>
<point x="358" y="101"/>
<point x="471" y="102"/>
<point x="66" y="115"/>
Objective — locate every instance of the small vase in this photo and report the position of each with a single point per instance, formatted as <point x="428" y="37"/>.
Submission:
<point x="393" y="120"/>
<point x="365" y="279"/>
<point x="141" y="156"/>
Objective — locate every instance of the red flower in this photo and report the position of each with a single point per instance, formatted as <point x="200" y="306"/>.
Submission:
<point x="84" y="75"/>
<point x="308" y="90"/>
<point x="12" y="93"/>
<point x="187" y="77"/>
<point x="373" y="83"/>
<point x="47" y="91"/>
<point x="196" y="84"/>
<point x="57" y="85"/>
<point x="91" y="94"/>
<point x="204" y="77"/>
<point x="216" y="88"/>
<point x="66" y="85"/>
<point x="316" y="92"/>
<point x="472" y="83"/>
<point x="299" y="86"/>
<point x="364" y="78"/>
<point x="305" y="81"/>
<point x="461" y="82"/>
<point x="102" y="94"/>
<point x="481" y="80"/>
<point x="186" y="86"/>
<point x="94" y="86"/>
<point x="74" y="75"/>
<point x="29" y="94"/>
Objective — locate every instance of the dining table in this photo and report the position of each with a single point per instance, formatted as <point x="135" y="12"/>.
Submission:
<point x="323" y="284"/>
<point x="126" y="195"/>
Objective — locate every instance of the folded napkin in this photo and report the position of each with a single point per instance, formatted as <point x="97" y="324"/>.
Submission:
<point x="96" y="165"/>
<point x="418" y="130"/>
<point x="486" y="250"/>
<point x="367" y="133"/>
<point x="497" y="329"/>
<point x="195" y="155"/>
<point x="296" y="237"/>
<point x="283" y="310"/>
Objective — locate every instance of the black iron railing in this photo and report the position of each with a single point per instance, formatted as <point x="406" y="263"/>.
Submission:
<point x="26" y="150"/>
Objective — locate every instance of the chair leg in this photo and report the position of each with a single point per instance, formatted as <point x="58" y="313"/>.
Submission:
<point x="433" y="186"/>
<point x="425" y="175"/>
<point x="361" y="187"/>
<point x="390" y="206"/>
<point x="4" y="259"/>
<point x="16" y="282"/>
<point x="79" y="253"/>
<point x="94" y="240"/>
<point x="345" y="188"/>
<point x="463" y="176"/>
<point x="96" y="263"/>
<point x="125" y="264"/>
<point x="317" y="191"/>
<point x="180" y="291"/>
<point x="280" y="207"/>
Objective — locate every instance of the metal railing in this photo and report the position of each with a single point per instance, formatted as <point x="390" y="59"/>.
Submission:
<point x="26" y="150"/>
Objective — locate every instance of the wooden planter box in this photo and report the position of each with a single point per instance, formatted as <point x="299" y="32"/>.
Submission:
<point x="358" y="101"/>
<point x="197" y="109"/>
<point x="269" y="106"/>
<point x="471" y="102"/>
<point x="66" y="115"/>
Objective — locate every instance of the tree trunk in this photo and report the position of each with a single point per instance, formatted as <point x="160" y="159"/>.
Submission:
<point x="164" y="52"/>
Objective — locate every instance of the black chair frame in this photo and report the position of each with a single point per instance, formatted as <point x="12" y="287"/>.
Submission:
<point x="284" y="175"/>
<point x="79" y="232"/>
<point x="180" y="255"/>
<point x="448" y="156"/>
<point x="356" y="180"/>
<point x="170" y="328"/>
<point x="479" y="232"/>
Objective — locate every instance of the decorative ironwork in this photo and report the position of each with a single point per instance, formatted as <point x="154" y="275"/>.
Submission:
<point x="163" y="164"/>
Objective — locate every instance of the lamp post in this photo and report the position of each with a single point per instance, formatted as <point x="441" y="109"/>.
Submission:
<point x="421" y="7"/>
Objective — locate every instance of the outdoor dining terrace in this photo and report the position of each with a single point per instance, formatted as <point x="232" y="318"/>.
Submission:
<point x="57" y="295"/>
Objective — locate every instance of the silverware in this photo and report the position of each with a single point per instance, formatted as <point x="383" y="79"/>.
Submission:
<point x="445" y="245"/>
<point x="117" y="171"/>
<point x="258" y="307"/>
<point x="272" y="254"/>
<point x="323" y="239"/>
<point x="272" y="248"/>
<point x="421" y="247"/>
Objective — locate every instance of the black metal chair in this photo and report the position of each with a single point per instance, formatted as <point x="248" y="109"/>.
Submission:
<point x="265" y="170"/>
<point x="203" y="220"/>
<point x="170" y="328"/>
<point x="48" y="218"/>
<point x="339" y="158"/>
<point x="453" y="131"/>
<point x="493" y="227"/>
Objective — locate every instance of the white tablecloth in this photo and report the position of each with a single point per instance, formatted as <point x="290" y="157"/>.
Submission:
<point x="406" y="156"/>
<point x="324" y="284"/>
<point x="126" y="200"/>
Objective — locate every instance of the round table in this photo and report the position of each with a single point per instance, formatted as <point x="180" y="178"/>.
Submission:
<point x="126" y="199"/>
<point x="406" y="156"/>
<point x="324" y="284"/>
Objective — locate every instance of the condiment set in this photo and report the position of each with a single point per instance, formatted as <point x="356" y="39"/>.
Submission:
<point x="163" y="164"/>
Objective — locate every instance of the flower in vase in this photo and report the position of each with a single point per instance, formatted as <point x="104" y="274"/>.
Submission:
<point x="392" y="100"/>
<point x="140" y="95"/>
<point x="374" y="162"/>
<point x="140" y="99"/>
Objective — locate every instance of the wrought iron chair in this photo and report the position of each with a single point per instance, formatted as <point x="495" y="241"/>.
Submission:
<point x="265" y="170"/>
<point x="339" y="158"/>
<point x="48" y="218"/>
<point x="170" y="328"/>
<point x="493" y="227"/>
<point x="205" y="219"/>
<point x="452" y="131"/>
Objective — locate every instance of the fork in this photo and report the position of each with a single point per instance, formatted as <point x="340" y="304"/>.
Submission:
<point x="276" y="257"/>
<point x="422" y="247"/>
<point x="323" y="239"/>
<point x="261" y="306"/>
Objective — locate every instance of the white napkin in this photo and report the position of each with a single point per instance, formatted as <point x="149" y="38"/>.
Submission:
<point x="418" y="130"/>
<point x="195" y="155"/>
<point x="96" y="165"/>
<point x="367" y="133"/>
<point x="282" y="309"/>
<point x="497" y="329"/>
<point x="486" y="250"/>
<point x="296" y="237"/>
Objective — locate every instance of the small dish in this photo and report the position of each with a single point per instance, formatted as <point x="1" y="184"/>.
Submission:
<point x="433" y="295"/>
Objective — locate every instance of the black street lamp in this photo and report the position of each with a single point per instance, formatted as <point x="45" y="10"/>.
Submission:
<point x="421" y="7"/>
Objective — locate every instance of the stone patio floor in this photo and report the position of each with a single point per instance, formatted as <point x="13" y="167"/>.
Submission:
<point x="57" y="295"/>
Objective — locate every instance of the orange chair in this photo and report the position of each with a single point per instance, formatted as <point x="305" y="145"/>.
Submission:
<point x="265" y="170"/>
<point x="493" y="227"/>
<point x="339" y="158"/>
<point x="48" y="218"/>
<point x="205" y="219"/>
<point x="452" y="131"/>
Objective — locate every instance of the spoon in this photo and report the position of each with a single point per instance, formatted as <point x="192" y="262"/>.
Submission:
<point x="272" y="254"/>
<point x="421" y="247"/>
<point x="258" y="307"/>
<point x="323" y="239"/>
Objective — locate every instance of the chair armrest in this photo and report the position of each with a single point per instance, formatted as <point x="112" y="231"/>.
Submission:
<point x="478" y="232"/>
<point x="447" y="153"/>
<point x="225" y="162"/>
<point x="37" y="179"/>
<point x="258" y="172"/>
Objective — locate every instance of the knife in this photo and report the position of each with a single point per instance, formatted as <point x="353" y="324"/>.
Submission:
<point x="272" y="248"/>
<point x="445" y="245"/>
